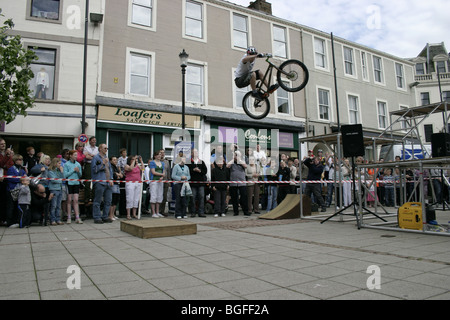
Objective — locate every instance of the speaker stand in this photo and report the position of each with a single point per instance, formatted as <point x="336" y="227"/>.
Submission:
<point x="354" y="204"/>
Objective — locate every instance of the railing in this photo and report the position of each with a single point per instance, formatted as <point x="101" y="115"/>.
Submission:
<point x="432" y="77"/>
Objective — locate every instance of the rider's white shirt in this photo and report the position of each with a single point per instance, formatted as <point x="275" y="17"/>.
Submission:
<point x="243" y="68"/>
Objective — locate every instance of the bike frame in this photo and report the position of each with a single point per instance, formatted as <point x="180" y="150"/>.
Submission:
<point x="268" y="75"/>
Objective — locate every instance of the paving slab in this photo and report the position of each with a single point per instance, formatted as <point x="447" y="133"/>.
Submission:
<point x="229" y="258"/>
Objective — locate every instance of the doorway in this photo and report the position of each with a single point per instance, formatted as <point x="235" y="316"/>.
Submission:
<point x="136" y="143"/>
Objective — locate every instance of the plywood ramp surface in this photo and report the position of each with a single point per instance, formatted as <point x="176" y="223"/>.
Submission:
<point x="288" y="209"/>
<point x="157" y="228"/>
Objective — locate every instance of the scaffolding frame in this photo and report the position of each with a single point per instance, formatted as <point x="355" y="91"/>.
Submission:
<point x="334" y="143"/>
<point x="413" y="117"/>
<point x="422" y="165"/>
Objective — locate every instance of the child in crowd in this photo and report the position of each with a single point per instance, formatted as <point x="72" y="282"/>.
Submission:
<point x="23" y="202"/>
<point x="371" y="194"/>
<point x="389" y="192"/>
<point x="73" y="172"/>
<point x="55" y="188"/>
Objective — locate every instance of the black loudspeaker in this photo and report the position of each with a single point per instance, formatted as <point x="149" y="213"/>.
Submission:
<point x="440" y="145"/>
<point x="352" y="140"/>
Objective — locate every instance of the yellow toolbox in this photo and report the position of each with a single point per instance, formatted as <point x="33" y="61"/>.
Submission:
<point x="410" y="216"/>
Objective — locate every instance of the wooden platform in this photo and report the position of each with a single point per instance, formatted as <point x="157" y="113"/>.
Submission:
<point x="158" y="228"/>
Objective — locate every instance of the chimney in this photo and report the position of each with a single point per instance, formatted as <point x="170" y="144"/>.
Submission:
<point x="261" y="5"/>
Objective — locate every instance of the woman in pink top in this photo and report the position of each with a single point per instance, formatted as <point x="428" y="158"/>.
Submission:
<point x="80" y="155"/>
<point x="133" y="174"/>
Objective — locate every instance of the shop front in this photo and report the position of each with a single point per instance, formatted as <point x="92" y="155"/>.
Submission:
<point x="141" y="131"/>
<point x="272" y="141"/>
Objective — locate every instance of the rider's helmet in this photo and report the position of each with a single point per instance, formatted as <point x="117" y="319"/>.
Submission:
<point x="251" y="51"/>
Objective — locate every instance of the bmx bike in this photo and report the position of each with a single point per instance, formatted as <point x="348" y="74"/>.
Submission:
<point x="292" y="76"/>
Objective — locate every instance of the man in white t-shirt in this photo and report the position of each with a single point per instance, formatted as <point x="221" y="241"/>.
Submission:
<point x="244" y="74"/>
<point x="259" y="154"/>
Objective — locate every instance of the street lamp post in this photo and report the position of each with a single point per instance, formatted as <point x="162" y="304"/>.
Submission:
<point x="183" y="64"/>
<point x="83" y="107"/>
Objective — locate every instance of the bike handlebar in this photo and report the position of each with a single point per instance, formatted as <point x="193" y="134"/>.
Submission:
<point x="265" y="55"/>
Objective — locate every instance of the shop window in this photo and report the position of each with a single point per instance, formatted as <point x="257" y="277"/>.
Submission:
<point x="428" y="128"/>
<point x="136" y="143"/>
<point x="240" y="31"/>
<point x="320" y="53"/>
<point x="240" y="93"/>
<point x="283" y="101"/>
<point x="42" y="85"/>
<point x="195" y="84"/>
<point x="324" y="104"/>
<point x="139" y="74"/>
<point x="378" y="69"/>
<point x="279" y="42"/>
<point x="365" y="74"/>
<point x="382" y="115"/>
<point x="348" y="61"/>
<point x="425" y="98"/>
<point x="45" y="9"/>
<point x="353" y="106"/>
<point x="400" y="76"/>
<point x="142" y="12"/>
<point x="194" y="19"/>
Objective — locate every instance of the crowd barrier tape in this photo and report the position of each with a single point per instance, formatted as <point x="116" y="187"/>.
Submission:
<point x="204" y="182"/>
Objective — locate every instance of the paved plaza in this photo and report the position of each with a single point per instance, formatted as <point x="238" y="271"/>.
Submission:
<point x="230" y="258"/>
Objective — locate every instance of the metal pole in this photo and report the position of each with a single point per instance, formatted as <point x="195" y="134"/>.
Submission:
<point x="83" y="107"/>
<point x="444" y="115"/>
<point x="335" y="84"/>
<point x="183" y="98"/>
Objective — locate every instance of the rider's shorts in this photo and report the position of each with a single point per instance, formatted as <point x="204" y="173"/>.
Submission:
<point x="244" y="80"/>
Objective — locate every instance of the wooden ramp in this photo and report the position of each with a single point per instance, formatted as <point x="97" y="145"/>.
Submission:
<point x="158" y="228"/>
<point x="289" y="208"/>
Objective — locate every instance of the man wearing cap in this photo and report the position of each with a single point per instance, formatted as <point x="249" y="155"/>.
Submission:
<point x="321" y="157"/>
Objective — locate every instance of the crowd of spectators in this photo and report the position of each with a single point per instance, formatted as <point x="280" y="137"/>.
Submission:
<point x="85" y="180"/>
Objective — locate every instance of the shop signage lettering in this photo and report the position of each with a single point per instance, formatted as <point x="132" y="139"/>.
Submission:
<point x="137" y="115"/>
<point x="146" y="117"/>
<point x="253" y="136"/>
<point x="250" y="135"/>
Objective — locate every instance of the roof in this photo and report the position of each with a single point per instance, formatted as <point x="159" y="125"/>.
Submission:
<point x="422" y="110"/>
<point x="368" y="139"/>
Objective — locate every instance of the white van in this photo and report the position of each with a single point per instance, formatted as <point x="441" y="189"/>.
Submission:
<point x="411" y="152"/>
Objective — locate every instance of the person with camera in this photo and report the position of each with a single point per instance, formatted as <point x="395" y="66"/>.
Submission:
<point x="6" y="162"/>
<point x="17" y="170"/>
<point x="101" y="169"/>
<point x="314" y="186"/>
<point x="133" y="180"/>
<point x="198" y="171"/>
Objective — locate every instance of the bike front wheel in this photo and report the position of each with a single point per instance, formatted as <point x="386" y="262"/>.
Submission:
<point x="292" y="75"/>
<point x="254" y="108"/>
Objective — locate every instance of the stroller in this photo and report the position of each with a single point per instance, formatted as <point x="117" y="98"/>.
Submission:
<point x="209" y="203"/>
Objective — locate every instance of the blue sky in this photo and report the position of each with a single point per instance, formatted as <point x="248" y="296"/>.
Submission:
<point x="399" y="27"/>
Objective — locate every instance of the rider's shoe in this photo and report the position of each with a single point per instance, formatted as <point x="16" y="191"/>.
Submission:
<point x="257" y="95"/>
<point x="273" y="88"/>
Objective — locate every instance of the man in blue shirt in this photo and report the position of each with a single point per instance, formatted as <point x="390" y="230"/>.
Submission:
<point x="101" y="169"/>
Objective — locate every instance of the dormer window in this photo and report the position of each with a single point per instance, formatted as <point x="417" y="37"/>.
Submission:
<point x="420" y="68"/>
<point x="441" y="67"/>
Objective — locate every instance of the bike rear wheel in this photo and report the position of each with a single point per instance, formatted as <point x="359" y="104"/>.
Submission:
<point x="293" y="75"/>
<point x="256" y="109"/>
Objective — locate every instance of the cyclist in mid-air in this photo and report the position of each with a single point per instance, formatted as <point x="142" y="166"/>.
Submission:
<point x="244" y="74"/>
